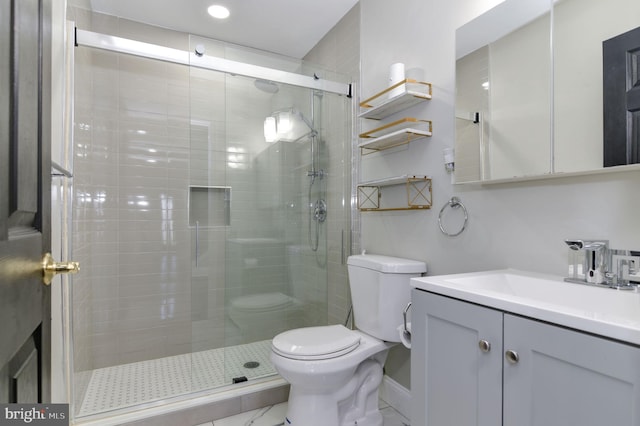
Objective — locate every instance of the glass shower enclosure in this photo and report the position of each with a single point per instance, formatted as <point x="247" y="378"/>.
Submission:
<point x="202" y="199"/>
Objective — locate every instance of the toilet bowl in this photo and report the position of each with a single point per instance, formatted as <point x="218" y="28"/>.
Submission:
<point x="260" y="316"/>
<point x="326" y="369"/>
<point x="335" y="372"/>
<point x="264" y="303"/>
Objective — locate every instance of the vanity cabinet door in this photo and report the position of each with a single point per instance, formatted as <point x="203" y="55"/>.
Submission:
<point x="456" y="362"/>
<point x="562" y="377"/>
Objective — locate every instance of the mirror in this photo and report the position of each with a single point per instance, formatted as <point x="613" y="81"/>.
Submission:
<point x="527" y="108"/>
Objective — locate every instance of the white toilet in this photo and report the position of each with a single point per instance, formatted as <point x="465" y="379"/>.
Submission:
<point x="335" y="372"/>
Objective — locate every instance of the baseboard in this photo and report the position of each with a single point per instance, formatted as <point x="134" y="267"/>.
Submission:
<point x="396" y="395"/>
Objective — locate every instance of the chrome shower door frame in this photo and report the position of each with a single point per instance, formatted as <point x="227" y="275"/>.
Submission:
<point x="167" y="54"/>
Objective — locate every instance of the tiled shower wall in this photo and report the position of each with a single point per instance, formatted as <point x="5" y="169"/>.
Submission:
<point x="130" y="233"/>
<point x="139" y="296"/>
<point x="339" y="51"/>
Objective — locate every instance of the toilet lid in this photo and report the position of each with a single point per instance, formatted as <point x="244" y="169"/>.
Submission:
<point x="262" y="302"/>
<point x="314" y="343"/>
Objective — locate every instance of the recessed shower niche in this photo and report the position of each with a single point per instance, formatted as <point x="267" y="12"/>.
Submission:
<point x="209" y="206"/>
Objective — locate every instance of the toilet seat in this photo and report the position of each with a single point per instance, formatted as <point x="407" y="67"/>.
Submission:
<point x="316" y="343"/>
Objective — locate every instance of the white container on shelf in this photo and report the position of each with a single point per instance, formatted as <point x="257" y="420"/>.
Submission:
<point x="396" y="75"/>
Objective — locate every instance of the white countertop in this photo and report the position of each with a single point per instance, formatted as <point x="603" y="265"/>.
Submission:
<point x="603" y="311"/>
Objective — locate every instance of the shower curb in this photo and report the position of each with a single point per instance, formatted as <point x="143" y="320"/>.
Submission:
<point x="200" y="409"/>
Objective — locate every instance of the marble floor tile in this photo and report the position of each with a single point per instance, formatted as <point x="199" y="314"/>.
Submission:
<point x="268" y="416"/>
<point x="272" y="416"/>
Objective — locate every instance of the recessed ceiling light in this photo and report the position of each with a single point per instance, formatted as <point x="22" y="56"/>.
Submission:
<point x="218" y="11"/>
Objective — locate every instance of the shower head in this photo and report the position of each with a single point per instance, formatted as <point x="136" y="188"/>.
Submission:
<point x="288" y="125"/>
<point x="266" y="86"/>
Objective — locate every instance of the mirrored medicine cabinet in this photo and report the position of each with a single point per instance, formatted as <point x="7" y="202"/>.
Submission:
<point x="534" y="96"/>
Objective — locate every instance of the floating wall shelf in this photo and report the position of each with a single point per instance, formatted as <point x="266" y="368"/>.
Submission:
<point x="418" y="193"/>
<point x="380" y="106"/>
<point x="397" y="133"/>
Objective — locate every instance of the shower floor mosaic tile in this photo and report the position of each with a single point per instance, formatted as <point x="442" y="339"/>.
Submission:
<point x="125" y="385"/>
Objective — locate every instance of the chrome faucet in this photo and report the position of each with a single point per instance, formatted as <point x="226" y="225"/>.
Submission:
<point x="625" y="268"/>
<point x="603" y="266"/>
<point x="596" y="261"/>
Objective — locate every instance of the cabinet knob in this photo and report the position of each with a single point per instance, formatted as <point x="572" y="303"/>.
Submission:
<point x="484" y="345"/>
<point x="512" y="357"/>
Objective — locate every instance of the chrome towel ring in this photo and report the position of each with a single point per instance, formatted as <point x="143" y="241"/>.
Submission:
<point x="454" y="203"/>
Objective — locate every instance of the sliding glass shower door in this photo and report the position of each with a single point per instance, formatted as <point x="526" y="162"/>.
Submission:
<point x="206" y="206"/>
<point x="259" y="191"/>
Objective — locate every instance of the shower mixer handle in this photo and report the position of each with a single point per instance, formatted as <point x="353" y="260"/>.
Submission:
<point x="320" y="211"/>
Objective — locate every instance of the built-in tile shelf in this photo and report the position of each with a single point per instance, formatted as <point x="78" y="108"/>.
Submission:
<point x="209" y="206"/>
<point x="394" y="134"/>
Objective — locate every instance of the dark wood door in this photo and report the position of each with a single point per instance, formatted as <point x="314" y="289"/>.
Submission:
<point x="25" y="188"/>
<point x="621" y="60"/>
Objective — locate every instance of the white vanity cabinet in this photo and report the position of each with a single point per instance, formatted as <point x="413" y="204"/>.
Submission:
<point x="474" y="365"/>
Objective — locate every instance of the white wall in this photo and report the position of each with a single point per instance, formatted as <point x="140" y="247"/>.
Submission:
<point x="519" y="225"/>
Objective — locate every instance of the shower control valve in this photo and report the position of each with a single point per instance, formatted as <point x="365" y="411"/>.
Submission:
<point x="320" y="211"/>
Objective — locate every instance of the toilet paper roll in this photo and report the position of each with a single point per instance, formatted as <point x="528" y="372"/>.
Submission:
<point x="396" y="75"/>
<point x="405" y="337"/>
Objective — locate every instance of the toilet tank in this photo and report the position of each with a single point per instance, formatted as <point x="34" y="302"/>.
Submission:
<point x="380" y="292"/>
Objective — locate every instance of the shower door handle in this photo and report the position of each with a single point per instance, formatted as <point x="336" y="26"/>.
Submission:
<point x="197" y="241"/>
<point x="50" y="268"/>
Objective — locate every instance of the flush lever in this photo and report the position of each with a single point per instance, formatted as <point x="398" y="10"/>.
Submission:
<point x="50" y="268"/>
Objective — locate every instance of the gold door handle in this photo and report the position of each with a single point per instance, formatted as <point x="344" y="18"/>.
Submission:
<point x="50" y="268"/>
